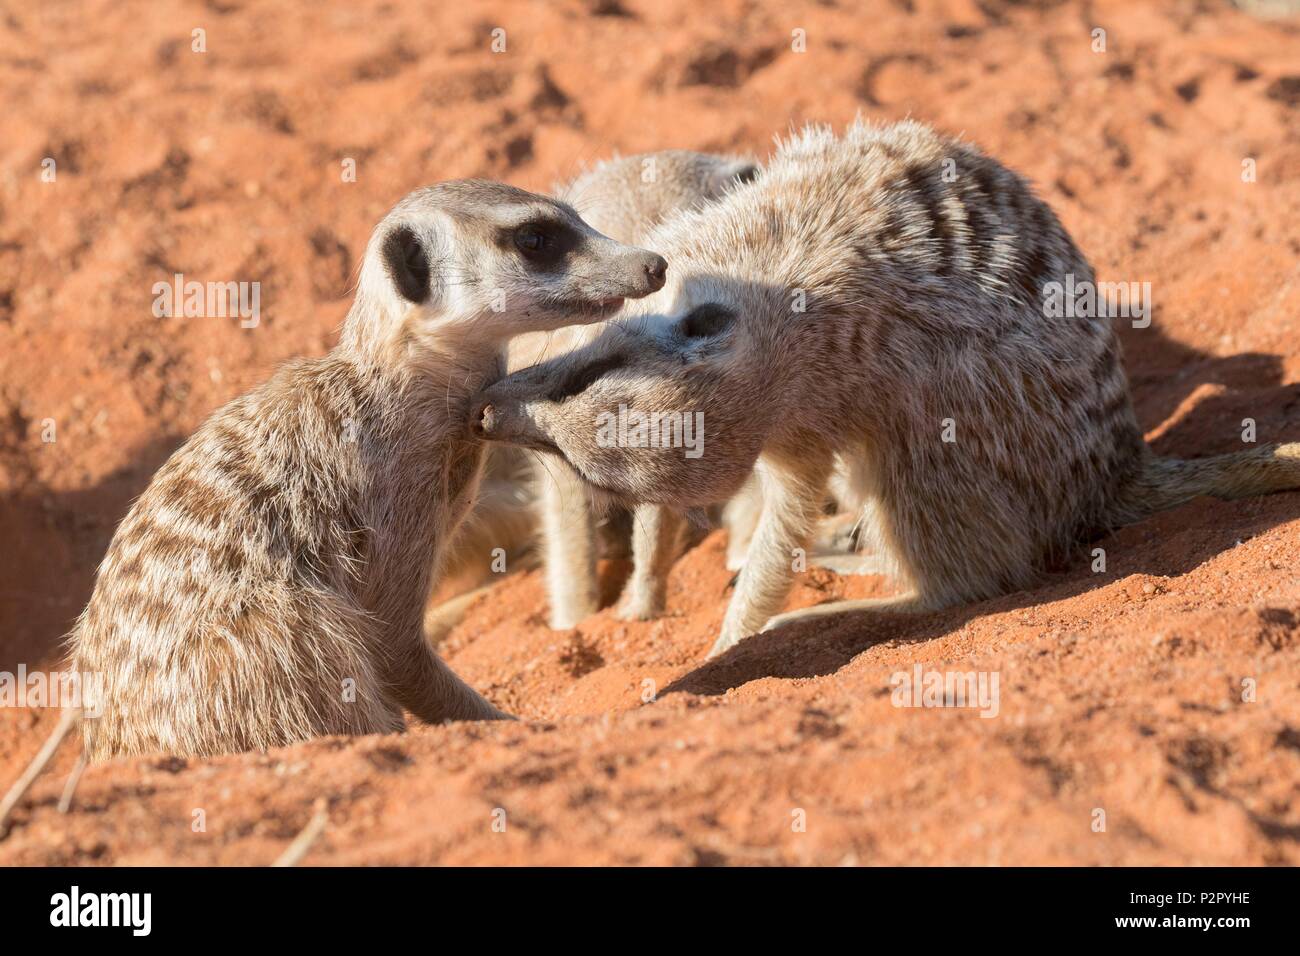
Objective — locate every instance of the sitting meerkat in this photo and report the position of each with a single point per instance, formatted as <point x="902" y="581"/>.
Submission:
<point x="623" y="198"/>
<point x="873" y="303"/>
<point x="268" y="585"/>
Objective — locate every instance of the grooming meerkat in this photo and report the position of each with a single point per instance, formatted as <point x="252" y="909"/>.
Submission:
<point x="876" y="298"/>
<point x="268" y="585"/>
<point x="623" y="198"/>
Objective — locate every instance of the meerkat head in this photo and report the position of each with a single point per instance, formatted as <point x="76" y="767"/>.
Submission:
<point x="676" y="398"/>
<point x="668" y="407"/>
<point x="629" y="195"/>
<point x="492" y="261"/>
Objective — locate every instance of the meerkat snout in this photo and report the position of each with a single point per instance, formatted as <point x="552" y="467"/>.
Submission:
<point x="505" y="421"/>
<point x="656" y="270"/>
<point x="483" y="420"/>
<point x="644" y="273"/>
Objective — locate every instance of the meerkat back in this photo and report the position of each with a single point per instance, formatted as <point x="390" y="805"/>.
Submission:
<point x="196" y="637"/>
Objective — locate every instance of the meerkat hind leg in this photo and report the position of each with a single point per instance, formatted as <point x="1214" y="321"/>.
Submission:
<point x="740" y="516"/>
<point x="656" y="539"/>
<point x="569" y="537"/>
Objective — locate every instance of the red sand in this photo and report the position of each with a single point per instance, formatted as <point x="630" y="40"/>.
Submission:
<point x="1120" y="691"/>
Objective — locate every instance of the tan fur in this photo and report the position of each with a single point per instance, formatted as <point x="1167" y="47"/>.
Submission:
<point x="268" y="585"/>
<point x="839" y="314"/>
<point x="624" y="198"/>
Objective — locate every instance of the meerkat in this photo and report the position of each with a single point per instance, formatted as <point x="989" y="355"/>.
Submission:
<point x="623" y="198"/>
<point x="874" y="302"/>
<point x="268" y="585"/>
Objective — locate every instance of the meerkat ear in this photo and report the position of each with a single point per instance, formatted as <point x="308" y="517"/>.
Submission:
<point x="706" y="321"/>
<point x="407" y="262"/>
<point x="735" y="173"/>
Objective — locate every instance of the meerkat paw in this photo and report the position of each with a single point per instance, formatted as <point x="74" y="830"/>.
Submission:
<point x="639" y="608"/>
<point x="643" y="600"/>
<point x="720" y="647"/>
<point x="838" y="532"/>
<point x="725" y="642"/>
<point x="440" y="619"/>
<point x="567" y="613"/>
<point x="790" y="617"/>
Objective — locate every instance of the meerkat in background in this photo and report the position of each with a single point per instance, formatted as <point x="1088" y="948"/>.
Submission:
<point x="623" y="198"/>
<point x="268" y="585"/>
<point x="877" y="298"/>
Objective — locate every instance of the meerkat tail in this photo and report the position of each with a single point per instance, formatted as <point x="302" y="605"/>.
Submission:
<point x="429" y="689"/>
<point x="1164" y="483"/>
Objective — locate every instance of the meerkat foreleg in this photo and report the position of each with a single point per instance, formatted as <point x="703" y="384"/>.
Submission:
<point x="656" y="537"/>
<point x="740" y="516"/>
<point x="569" y="539"/>
<point x="793" y="489"/>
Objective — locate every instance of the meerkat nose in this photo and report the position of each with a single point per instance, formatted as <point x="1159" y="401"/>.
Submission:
<point x="484" y="420"/>
<point x="656" y="270"/>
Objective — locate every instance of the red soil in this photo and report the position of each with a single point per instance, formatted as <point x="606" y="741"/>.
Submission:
<point x="1119" y="690"/>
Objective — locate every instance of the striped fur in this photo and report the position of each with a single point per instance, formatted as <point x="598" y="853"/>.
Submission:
<point x="268" y="586"/>
<point x="921" y="265"/>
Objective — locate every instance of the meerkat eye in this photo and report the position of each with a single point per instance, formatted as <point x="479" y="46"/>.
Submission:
<point x="544" y="243"/>
<point x="732" y="175"/>
<point x="531" y="240"/>
<point x="708" y="320"/>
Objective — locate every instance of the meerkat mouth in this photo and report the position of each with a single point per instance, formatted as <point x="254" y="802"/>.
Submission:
<point x="591" y="307"/>
<point x="608" y="306"/>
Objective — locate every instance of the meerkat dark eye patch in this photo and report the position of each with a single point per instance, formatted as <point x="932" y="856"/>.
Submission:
<point x="583" y="378"/>
<point x="707" y="320"/>
<point x="544" y="243"/>
<point x="407" y="262"/>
